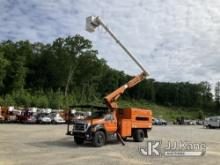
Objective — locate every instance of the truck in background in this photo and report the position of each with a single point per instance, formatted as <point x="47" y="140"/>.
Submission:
<point x="212" y="122"/>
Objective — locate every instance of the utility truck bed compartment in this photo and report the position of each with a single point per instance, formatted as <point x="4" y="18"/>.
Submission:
<point x="126" y="125"/>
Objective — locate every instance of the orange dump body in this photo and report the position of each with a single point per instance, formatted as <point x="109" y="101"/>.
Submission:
<point x="133" y="118"/>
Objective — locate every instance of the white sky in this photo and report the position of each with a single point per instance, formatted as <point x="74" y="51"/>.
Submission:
<point x="175" y="40"/>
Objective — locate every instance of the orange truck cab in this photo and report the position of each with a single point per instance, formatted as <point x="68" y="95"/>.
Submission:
<point x="105" y="125"/>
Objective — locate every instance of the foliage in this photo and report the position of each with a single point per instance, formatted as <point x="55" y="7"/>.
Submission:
<point x="201" y="115"/>
<point x="68" y="71"/>
<point x="217" y="96"/>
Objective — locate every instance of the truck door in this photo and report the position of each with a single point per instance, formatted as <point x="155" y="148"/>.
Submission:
<point x="110" y="123"/>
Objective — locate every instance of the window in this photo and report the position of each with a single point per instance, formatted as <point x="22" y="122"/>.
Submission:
<point x="109" y="117"/>
<point x="142" y="118"/>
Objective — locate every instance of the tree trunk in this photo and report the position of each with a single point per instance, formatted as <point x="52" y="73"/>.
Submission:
<point x="68" y="81"/>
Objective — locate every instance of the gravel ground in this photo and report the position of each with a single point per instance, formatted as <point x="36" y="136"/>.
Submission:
<point x="48" y="144"/>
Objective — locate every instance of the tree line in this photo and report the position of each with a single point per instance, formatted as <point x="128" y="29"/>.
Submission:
<point x="68" y="71"/>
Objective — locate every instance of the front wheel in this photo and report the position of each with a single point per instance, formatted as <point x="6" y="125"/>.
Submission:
<point x="98" y="139"/>
<point x="78" y="140"/>
<point x="138" y="135"/>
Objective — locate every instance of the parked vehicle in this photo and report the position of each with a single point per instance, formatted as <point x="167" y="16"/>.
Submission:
<point x="27" y="116"/>
<point x="8" y="114"/>
<point x="32" y="119"/>
<point x="179" y="121"/>
<point x="43" y="118"/>
<point x="1" y="115"/>
<point x="56" y="118"/>
<point x="200" y="122"/>
<point x="189" y="122"/>
<point x="68" y="115"/>
<point x="193" y="122"/>
<point x="157" y="121"/>
<point x="212" y="122"/>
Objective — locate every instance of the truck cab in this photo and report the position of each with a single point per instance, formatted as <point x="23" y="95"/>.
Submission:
<point x="105" y="125"/>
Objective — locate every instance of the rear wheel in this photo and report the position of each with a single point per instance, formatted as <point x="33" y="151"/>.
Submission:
<point x="78" y="140"/>
<point x="138" y="135"/>
<point x="98" y="139"/>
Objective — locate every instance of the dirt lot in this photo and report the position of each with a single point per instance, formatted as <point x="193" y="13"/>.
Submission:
<point x="48" y="144"/>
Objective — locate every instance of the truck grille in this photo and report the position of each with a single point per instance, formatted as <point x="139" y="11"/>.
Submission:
<point x="80" y="127"/>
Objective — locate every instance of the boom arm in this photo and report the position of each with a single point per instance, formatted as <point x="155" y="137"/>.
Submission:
<point x="93" y="22"/>
<point x="111" y="100"/>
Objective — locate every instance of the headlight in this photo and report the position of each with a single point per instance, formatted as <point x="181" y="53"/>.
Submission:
<point x="93" y="129"/>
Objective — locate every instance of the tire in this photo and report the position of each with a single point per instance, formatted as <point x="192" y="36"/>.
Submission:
<point x="78" y="140"/>
<point x="53" y="122"/>
<point x="98" y="139"/>
<point x="210" y="127"/>
<point x="138" y="135"/>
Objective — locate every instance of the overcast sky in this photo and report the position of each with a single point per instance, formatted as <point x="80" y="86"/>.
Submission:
<point x="175" y="40"/>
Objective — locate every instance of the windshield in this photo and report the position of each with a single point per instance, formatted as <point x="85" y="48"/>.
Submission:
<point x="45" y="115"/>
<point x="53" y="115"/>
<point x="97" y="114"/>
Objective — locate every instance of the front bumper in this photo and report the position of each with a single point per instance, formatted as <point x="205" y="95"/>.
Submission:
<point x="30" y="121"/>
<point x="45" y="121"/>
<point x="59" y="121"/>
<point x="86" y="136"/>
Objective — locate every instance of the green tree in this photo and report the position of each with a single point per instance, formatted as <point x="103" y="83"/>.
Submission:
<point x="217" y="96"/>
<point x="17" y="74"/>
<point x="3" y="69"/>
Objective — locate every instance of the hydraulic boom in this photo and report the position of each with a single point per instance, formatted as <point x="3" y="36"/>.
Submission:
<point x="111" y="100"/>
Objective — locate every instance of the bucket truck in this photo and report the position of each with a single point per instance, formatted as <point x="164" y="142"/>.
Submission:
<point x="111" y="122"/>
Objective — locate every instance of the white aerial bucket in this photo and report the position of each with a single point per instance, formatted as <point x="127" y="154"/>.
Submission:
<point x="91" y="24"/>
